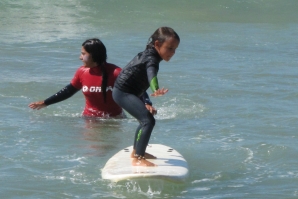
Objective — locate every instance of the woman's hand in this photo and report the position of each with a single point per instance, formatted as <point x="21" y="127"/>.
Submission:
<point x="159" y="92"/>
<point x="37" y="105"/>
<point x="151" y="109"/>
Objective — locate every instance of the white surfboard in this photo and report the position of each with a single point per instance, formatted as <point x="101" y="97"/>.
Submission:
<point x="170" y="165"/>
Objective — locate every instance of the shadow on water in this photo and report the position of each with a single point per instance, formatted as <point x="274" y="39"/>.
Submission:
<point x="103" y="135"/>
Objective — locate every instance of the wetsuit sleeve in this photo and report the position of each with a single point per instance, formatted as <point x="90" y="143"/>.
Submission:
<point x="145" y="98"/>
<point x="152" y="77"/>
<point x="63" y="94"/>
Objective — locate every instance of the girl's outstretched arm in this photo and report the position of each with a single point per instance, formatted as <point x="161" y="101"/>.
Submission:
<point x="63" y="94"/>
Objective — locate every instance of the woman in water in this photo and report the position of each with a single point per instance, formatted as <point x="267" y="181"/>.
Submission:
<point x="96" y="78"/>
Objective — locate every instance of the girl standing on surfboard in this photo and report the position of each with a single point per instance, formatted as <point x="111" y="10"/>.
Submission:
<point x="133" y="81"/>
<point x="96" y="79"/>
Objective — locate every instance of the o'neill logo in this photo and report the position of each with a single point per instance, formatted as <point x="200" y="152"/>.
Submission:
<point x="94" y="89"/>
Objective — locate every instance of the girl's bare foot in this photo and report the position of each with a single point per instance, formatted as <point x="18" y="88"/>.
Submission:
<point x="147" y="155"/>
<point x="142" y="162"/>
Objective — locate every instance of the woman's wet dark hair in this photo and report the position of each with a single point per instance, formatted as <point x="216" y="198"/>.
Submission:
<point x="98" y="52"/>
<point x="161" y="35"/>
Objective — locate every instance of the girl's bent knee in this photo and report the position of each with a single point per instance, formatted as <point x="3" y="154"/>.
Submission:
<point x="151" y="119"/>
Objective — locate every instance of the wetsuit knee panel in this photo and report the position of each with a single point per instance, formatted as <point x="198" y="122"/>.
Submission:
<point x="151" y="119"/>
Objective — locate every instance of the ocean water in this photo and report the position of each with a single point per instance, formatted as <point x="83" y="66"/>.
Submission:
<point x="231" y="110"/>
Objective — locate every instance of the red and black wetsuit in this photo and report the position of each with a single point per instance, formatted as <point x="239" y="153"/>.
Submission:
<point x="89" y="80"/>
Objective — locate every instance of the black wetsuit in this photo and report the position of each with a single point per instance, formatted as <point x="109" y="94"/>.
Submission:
<point x="130" y="85"/>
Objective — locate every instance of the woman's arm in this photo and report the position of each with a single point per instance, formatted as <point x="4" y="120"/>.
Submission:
<point x="63" y="94"/>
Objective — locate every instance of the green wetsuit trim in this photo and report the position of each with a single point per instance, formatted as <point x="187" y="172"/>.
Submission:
<point x="154" y="84"/>
<point x="139" y="135"/>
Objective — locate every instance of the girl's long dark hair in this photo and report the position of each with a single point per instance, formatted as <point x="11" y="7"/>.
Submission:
<point x="162" y="34"/>
<point x="98" y="52"/>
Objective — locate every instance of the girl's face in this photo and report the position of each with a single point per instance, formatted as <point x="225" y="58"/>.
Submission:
<point x="167" y="49"/>
<point x="86" y="58"/>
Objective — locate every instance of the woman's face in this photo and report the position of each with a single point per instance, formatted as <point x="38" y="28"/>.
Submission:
<point x="167" y="49"/>
<point x="86" y="58"/>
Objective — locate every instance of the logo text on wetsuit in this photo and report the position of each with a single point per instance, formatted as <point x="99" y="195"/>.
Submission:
<point x="94" y="89"/>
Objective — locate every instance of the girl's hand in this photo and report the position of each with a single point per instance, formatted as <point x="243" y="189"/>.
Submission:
<point x="159" y="92"/>
<point x="37" y="105"/>
<point x="151" y="109"/>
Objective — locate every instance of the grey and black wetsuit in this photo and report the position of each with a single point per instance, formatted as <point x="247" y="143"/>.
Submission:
<point x="133" y="81"/>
